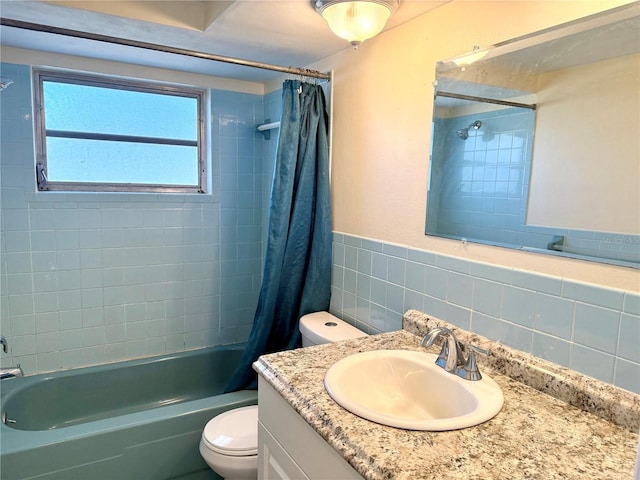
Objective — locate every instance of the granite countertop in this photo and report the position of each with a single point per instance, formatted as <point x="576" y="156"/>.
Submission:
<point x="535" y="435"/>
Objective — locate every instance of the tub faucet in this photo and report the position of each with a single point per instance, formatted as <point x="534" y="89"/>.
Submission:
<point x="451" y="356"/>
<point x="3" y="342"/>
<point x="11" y="372"/>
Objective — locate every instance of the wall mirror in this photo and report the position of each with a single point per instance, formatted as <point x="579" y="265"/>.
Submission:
<point x="536" y="142"/>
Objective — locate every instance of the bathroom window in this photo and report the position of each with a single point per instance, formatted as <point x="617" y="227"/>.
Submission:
<point x="105" y="134"/>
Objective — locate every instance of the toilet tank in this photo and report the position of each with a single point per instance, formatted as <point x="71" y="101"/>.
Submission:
<point x="322" y="327"/>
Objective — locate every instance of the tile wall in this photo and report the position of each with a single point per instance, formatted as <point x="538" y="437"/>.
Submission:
<point x="94" y="278"/>
<point x="588" y="328"/>
<point x="479" y="183"/>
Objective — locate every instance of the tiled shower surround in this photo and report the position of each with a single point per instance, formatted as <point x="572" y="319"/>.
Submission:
<point x="88" y="278"/>
<point x="588" y="328"/>
<point x="94" y="278"/>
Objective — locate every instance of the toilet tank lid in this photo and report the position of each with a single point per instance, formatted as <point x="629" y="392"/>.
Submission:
<point x="234" y="432"/>
<point x="322" y="327"/>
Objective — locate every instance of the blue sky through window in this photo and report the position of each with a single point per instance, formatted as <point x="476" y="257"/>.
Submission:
<point x="92" y="109"/>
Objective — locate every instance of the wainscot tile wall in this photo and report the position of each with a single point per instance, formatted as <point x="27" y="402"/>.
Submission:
<point x="591" y="329"/>
<point x="94" y="278"/>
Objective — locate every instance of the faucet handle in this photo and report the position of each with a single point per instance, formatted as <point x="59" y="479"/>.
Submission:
<point x="470" y="369"/>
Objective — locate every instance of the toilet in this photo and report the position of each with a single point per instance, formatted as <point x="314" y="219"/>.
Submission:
<point x="229" y="442"/>
<point x="322" y="327"/>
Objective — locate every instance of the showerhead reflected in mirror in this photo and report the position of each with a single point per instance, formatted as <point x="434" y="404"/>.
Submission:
<point x="530" y="145"/>
<point x="463" y="133"/>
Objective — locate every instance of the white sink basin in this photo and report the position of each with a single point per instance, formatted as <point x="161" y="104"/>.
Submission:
<point x="406" y="389"/>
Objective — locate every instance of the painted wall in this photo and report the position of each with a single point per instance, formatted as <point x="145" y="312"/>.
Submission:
<point x="94" y="278"/>
<point x="573" y="175"/>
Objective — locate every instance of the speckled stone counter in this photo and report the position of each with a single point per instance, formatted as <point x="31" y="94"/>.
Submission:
<point x="539" y="433"/>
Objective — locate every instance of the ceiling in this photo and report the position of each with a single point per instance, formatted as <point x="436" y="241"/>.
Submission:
<point x="282" y="32"/>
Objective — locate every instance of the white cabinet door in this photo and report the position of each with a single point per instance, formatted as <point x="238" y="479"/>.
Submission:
<point x="292" y="448"/>
<point x="273" y="462"/>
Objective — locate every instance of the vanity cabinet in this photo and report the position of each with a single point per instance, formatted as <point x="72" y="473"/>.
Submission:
<point x="288" y="448"/>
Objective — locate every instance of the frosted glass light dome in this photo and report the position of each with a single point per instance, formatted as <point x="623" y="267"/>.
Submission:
<point x="356" y="21"/>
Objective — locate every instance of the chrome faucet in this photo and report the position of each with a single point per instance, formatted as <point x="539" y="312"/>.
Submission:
<point x="9" y="372"/>
<point x="451" y="357"/>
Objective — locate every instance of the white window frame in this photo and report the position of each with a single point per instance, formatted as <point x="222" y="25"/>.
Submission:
<point x="43" y="184"/>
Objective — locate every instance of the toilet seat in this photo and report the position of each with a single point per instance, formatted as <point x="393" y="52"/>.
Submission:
<point x="233" y="433"/>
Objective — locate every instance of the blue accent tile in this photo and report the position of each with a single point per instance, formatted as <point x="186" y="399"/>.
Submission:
<point x="629" y="341"/>
<point x="395" y="250"/>
<point x="362" y="310"/>
<point x="632" y="303"/>
<point x="459" y="289"/>
<point x="538" y="283"/>
<point x="372" y="245"/>
<point x="485" y="325"/>
<point x="491" y="273"/>
<point x="452" y="264"/>
<point x="350" y="281"/>
<point x="349" y="305"/>
<point x="551" y="348"/>
<point x="364" y="261"/>
<point x="377" y="315"/>
<point x="592" y="294"/>
<point x="378" y="291"/>
<point x="592" y="362"/>
<point x="351" y="257"/>
<point x="395" y="298"/>
<point x="596" y="327"/>
<point x="379" y="263"/>
<point x="516" y="337"/>
<point x="420" y="256"/>
<point x="436" y="282"/>
<point x="415" y="276"/>
<point x="627" y="375"/>
<point x="392" y="322"/>
<point x="396" y="268"/>
<point x="337" y="276"/>
<point x="554" y="316"/>
<point x="487" y="297"/>
<point x="363" y="286"/>
<point x="413" y="300"/>
<point x="353" y="241"/>
<point x="519" y="306"/>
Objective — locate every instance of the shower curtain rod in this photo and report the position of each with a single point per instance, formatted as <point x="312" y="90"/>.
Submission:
<point x="472" y="98"/>
<point x="305" y="72"/>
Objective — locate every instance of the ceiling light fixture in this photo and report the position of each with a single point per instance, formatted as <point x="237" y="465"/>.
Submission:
<point x="356" y="21"/>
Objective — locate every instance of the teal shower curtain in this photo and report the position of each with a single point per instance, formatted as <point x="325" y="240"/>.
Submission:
<point x="297" y="271"/>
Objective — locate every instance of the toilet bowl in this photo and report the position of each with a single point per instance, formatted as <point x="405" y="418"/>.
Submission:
<point x="229" y="442"/>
